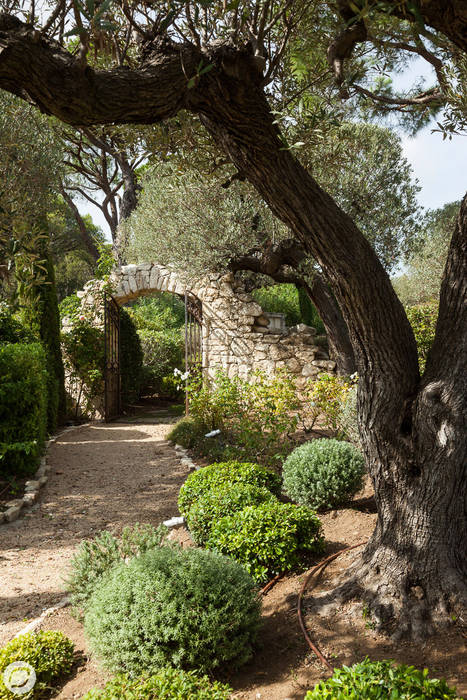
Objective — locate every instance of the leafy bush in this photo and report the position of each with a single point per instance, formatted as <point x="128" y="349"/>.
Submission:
<point x="181" y="607"/>
<point x="186" y="432"/>
<point x="131" y="359"/>
<point x="256" y="416"/>
<point x="380" y="680"/>
<point x="327" y="397"/>
<point x="11" y="329"/>
<point x="158" y="312"/>
<point x="225" y="473"/>
<point x="83" y="356"/>
<point x="163" y="351"/>
<point x="49" y="653"/>
<point x="423" y="321"/>
<point x="96" y="557"/>
<point x="348" y="419"/>
<point x="323" y="473"/>
<point x="167" y="684"/>
<point x="69" y="306"/>
<point x="280" y="299"/>
<point x="221" y="501"/>
<point x="269" y="538"/>
<point x="23" y="407"/>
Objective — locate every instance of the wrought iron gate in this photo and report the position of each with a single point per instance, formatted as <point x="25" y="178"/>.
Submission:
<point x="193" y="332"/>
<point x="112" y="407"/>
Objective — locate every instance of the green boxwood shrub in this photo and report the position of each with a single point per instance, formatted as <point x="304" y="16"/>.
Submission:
<point x="96" y="557"/>
<point x="187" y="608"/>
<point x="49" y="653"/>
<point x="221" y="473"/>
<point x="186" y="432"/>
<point x="220" y="501"/>
<point x="268" y="539"/>
<point x="167" y="684"/>
<point x="323" y="473"/>
<point x="380" y="680"/>
<point x="23" y="407"/>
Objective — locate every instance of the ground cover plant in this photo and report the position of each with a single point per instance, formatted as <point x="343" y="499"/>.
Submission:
<point x="167" y="684"/>
<point x="49" y="653"/>
<point x="94" y="558"/>
<point x="268" y="539"/>
<point x="225" y="473"/>
<point x="220" y="501"/>
<point x="323" y="473"/>
<point x="187" y="608"/>
<point x="381" y="680"/>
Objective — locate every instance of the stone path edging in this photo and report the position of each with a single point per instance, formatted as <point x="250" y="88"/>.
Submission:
<point x="33" y="486"/>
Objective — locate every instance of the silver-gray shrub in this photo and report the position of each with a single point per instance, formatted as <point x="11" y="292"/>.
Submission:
<point x="323" y="473"/>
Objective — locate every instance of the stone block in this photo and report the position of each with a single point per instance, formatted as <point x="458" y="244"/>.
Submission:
<point x="43" y="480"/>
<point x="32" y="486"/>
<point x="309" y="371"/>
<point x="14" y="503"/>
<point x="30" y="498"/>
<point x="12" y="513"/>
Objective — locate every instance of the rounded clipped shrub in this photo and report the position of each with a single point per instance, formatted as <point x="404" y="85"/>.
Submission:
<point x="167" y="684"/>
<point x="49" y="653"/>
<point x="268" y="539"/>
<point x="221" y="473"/>
<point x="323" y="473"/>
<point x="96" y="557"/>
<point x="191" y="609"/>
<point x="380" y="680"/>
<point x="186" y="432"/>
<point x="220" y="501"/>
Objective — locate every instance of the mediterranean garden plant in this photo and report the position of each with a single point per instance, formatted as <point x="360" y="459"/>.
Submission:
<point x="268" y="539"/>
<point x="49" y="653"/>
<point x="166" y="684"/>
<point x="225" y="473"/>
<point x="94" y="558"/>
<point x="323" y="473"/>
<point x="186" y="608"/>
<point x="381" y="680"/>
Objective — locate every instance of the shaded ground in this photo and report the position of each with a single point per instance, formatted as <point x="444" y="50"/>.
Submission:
<point x="104" y="476"/>
<point x="108" y="476"/>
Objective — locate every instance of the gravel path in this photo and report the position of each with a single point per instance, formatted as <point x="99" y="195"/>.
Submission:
<point x="103" y="476"/>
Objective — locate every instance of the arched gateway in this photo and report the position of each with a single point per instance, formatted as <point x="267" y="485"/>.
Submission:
<point x="236" y="335"/>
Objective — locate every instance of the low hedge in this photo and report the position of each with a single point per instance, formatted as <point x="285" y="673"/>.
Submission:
<point x="167" y="684"/>
<point x="381" y="680"/>
<point x="49" y="653"/>
<point x="221" y="473"/>
<point x="23" y="407"/>
<point x="323" y="473"/>
<point x="186" y="608"/>
<point x="221" y="501"/>
<point x="268" y="539"/>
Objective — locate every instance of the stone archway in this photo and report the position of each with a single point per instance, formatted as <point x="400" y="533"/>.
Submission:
<point x="238" y="337"/>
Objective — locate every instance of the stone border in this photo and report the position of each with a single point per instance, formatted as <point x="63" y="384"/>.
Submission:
<point x="33" y="486"/>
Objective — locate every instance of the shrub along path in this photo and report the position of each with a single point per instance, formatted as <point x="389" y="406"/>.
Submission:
<point x="104" y="476"/>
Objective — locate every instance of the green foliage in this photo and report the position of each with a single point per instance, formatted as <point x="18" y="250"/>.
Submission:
<point x="23" y="407"/>
<point x="225" y="473"/>
<point x="69" y="306"/>
<point x="348" y="418"/>
<point x="287" y="299"/>
<point x="186" y="608"/>
<point x="323" y="473"/>
<point x="158" y="312"/>
<point x="11" y="329"/>
<point x="256" y="416"/>
<point x="131" y="359"/>
<point x="380" y="680"/>
<point x="423" y="320"/>
<point x="327" y="397"/>
<point x="163" y="351"/>
<point x="309" y="313"/>
<point x="221" y="501"/>
<point x="167" y="684"/>
<point x="96" y="557"/>
<point x="269" y="538"/>
<point x="49" y="653"/>
<point x="186" y="432"/>
<point x="421" y="283"/>
<point x="83" y="346"/>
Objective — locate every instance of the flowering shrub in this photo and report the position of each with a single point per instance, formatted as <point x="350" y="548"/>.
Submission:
<point x="256" y="417"/>
<point x="327" y="396"/>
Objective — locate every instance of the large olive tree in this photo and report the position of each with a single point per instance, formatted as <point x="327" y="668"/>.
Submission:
<point x="219" y="61"/>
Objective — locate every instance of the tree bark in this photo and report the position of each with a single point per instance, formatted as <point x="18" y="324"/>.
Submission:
<point x="414" y="565"/>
